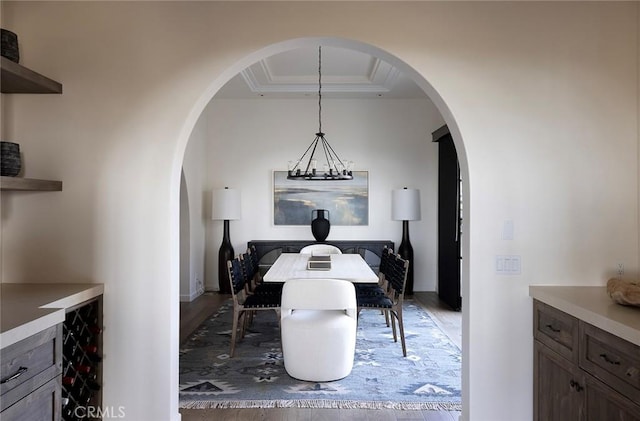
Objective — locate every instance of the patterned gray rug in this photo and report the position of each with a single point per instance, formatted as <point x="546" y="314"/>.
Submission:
<point x="428" y="378"/>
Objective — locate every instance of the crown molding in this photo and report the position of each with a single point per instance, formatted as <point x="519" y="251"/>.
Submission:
<point x="379" y="79"/>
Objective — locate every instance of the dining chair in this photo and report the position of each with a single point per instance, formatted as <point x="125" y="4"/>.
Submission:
<point x="392" y="301"/>
<point x="246" y="305"/>
<point x="382" y="287"/>
<point x="320" y="249"/>
<point x="251" y="274"/>
<point x="255" y="262"/>
<point x="318" y="325"/>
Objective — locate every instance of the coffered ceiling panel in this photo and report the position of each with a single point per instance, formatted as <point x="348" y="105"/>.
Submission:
<point x="345" y="74"/>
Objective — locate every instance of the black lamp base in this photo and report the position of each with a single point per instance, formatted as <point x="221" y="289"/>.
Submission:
<point x="226" y="253"/>
<point x="406" y="252"/>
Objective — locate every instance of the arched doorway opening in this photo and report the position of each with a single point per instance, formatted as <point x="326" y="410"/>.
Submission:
<point x="418" y="78"/>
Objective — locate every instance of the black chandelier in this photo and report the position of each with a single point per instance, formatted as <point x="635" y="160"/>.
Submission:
<point x="334" y="168"/>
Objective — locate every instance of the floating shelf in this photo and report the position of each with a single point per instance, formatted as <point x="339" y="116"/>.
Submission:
<point x="29" y="184"/>
<point x="17" y="79"/>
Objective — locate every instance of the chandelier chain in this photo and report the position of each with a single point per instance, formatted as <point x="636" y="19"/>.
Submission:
<point x="335" y="168"/>
<point x="320" y="89"/>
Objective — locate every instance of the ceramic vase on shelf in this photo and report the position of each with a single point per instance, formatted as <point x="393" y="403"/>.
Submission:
<point x="10" y="161"/>
<point x="320" y="224"/>
<point x="9" y="45"/>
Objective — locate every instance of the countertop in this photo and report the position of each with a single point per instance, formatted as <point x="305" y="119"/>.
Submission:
<point x="26" y="309"/>
<point x="594" y="306"/>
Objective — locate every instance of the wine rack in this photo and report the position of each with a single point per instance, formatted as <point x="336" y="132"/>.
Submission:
<point x="82" y="361"/>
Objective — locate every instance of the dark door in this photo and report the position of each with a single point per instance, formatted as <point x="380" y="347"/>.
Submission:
<point x="449" y="221"/>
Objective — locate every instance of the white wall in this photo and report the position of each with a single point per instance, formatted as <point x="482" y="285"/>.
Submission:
<point x="391" y="139"/>
<point x="195" y="168"/>
<point x="541" y="98"/>
<point x="185" y="243"/>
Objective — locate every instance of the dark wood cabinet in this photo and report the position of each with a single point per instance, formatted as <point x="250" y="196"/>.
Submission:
<point x="370" y="250"/>
<point x="30" y="371"/>
<point x="582" y="372"/>
<point x="41" y="404"/>
<point x="555" y="387"/>
<point x="56" y="373"/>
<point x="603" y="403"/>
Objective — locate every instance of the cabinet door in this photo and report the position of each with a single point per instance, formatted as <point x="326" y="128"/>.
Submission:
<point x="604" y="403"/>
<point x="43" y="404"/>
<point x="558" y="387"/>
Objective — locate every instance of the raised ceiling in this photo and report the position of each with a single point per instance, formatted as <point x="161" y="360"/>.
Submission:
<point x="345" y="74"/>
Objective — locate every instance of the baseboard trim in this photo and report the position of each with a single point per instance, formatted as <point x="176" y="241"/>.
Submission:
<point x="188" y="298"/>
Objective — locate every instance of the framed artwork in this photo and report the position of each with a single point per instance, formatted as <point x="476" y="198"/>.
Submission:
<point x="347" y="200"/>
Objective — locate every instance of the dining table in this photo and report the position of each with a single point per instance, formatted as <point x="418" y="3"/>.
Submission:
<point x="350" y="267"/>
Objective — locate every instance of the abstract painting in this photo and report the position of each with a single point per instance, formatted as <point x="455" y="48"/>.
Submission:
<point x="346" y="200"/>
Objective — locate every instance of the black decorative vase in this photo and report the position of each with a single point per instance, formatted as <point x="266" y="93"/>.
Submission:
<point x="10" y="162"/>
<point x="320" y="224"/>
<point x="9" y="45"/>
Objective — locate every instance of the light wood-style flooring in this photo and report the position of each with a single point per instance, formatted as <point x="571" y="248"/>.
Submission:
<point x="194" y="313"/>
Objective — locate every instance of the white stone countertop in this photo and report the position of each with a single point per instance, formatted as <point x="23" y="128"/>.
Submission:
<point x="26" y="309"/>
<point x="594" y="306"/>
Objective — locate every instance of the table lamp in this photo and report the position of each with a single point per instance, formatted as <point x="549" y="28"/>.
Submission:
<point x="225" y="206"/>
<point x="405" y="207"/>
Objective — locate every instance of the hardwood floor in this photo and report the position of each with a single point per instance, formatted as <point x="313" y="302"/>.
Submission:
<point x="448" y="320"/>
<point x="194" y="313"/>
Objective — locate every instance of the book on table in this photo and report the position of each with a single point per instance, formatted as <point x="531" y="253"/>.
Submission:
<point x="319" y="262"/>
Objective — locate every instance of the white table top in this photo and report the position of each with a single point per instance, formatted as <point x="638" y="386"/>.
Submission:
<point x="350" y="267"/>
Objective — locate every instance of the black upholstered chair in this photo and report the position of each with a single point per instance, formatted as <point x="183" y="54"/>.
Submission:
<point x="255" y="263"/>
<point x="392" y="301"/>
<point x="252" y="275"/>
<point x="246" y="305"/>
<point x="381" y="288"/>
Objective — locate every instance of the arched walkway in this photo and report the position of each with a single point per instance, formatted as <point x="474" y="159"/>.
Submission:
<point x="418" y="78"/>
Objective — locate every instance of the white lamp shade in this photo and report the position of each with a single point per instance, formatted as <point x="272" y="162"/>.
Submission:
<point x="405" y="205"/>
<point x="225" y="204"/>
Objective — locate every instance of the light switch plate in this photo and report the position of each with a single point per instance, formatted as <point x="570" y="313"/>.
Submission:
<point x="507" y="230"/>
<point x="508" y="265"/>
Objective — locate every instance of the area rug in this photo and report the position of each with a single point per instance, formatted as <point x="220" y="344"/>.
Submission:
<point x="428" y="378"/>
